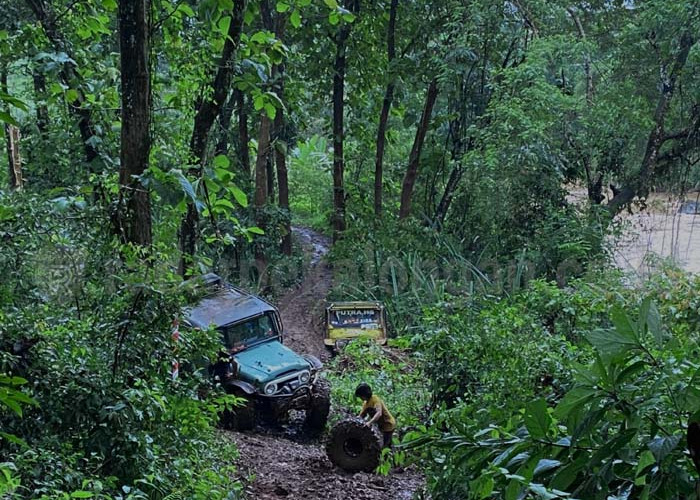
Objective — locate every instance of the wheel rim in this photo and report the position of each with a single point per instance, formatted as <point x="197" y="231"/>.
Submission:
<point x="352" y="447"/>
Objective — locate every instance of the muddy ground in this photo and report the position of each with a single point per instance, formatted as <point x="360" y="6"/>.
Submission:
<point x="282" y="462"/>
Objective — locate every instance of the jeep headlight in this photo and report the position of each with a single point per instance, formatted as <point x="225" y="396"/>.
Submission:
<point x="304" y="377"/>
<point x="270" y="389"/>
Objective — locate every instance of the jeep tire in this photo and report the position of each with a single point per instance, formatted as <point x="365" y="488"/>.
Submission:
<point x="354" y="446"/>
<point x="239" y="418"/>
<point x="319" y="407"/>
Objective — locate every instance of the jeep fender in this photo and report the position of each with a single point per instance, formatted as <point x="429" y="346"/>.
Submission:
<point x="313" y="361"/>
<point x="247" y="388"/>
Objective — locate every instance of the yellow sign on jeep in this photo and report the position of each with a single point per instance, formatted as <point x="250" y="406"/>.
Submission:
<point x="350" y="320"/>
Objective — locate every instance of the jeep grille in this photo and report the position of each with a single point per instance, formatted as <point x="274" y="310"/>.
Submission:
<point x="286" y="384"/>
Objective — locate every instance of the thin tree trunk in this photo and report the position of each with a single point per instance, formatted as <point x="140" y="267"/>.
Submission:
<point x="207" y="111"/>
<point x="409" y="179"/>
<point x="447" y="195"/>
<point x="13" y="146"/>
<point x="222" y="144"/>
<point x="42" y="112"/>
<point x="384" y="115"/>
<point x="46" y="17"/>
<point x="135" y="220"/>
<point x="657" y="136"/>
<point x="12" y="140"/>
<point x="281" y="163"/>
<point x="269" y="165"/>
<point x="261" y="189"/>
<point x="594" y="182"/>
<point x="338" y="128"/>
<point x="243" y="136"/>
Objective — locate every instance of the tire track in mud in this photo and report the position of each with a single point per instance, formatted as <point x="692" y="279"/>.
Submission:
<point x="282" y="462"/>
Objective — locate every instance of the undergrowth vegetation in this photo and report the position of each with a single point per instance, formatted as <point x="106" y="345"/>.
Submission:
<point x="582" y="387"/>
<point x="88" y="406"/>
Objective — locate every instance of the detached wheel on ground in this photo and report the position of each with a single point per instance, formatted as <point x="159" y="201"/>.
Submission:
<point x="353" y="446"/>
<point x="317" y="412"/>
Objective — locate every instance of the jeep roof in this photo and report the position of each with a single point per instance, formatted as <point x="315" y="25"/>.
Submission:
<point x="225" y="304"/>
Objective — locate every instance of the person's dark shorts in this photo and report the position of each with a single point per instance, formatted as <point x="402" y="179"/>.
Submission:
<point x="388" y="435"/>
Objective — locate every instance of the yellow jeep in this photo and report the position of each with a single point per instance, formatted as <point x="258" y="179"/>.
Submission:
<point x="350" y="320"/>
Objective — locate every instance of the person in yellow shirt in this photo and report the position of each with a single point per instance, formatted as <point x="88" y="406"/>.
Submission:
<point x="374" y="408"/>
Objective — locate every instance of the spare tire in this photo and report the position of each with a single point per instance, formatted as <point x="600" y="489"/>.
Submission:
<point x="354" y="446"/>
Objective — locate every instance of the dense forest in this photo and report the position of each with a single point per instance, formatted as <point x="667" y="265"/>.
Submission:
<point x="473" y="162"/>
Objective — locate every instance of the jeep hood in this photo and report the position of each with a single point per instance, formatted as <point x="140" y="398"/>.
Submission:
<point x="267" y="361"/>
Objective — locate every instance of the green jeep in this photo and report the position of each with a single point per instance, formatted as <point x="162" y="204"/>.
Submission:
<point x="254" y="364"/>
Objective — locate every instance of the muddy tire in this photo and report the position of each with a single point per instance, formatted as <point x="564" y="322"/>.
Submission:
<point x="353" y="446"/>
<point x="317" y="412"/>
<point x="239" y="418"/>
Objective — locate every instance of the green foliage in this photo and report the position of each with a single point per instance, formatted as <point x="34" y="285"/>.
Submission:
<point x="616" y="432"/>
<point x="98" y="416"/>
<point x="310" y="181"/>
<point x="393" y="375"/>
<point x="497" y="353"/>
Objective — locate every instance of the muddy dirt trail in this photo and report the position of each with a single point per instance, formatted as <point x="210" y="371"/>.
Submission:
<point x="283" y="462"/>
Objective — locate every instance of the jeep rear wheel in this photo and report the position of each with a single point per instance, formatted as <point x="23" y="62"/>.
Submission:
<point x="319" y="407"/>
<point x="354" y="446"/>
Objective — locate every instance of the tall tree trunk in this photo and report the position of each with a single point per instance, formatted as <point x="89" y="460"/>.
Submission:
<point x="282" y="180"/>
<point x="207" y="111"/>
<point x="280" y="144"/>
<point x="657" y="136"/>
<point x="261" y="190"/>
<point x="222" y="144"/>
<point x="47" y="18"/>
<point x="409" y="179"/>
<point x="12" y="139"/>
<point x="243" y="137"/>
<point x="594" y="181"/>
<point x="384" y="115"/>
<point x="338" y="128"/>
<point x="134" y="198"/>
<point x="447" y="195"/>
<point x="270" y="176"/>
<point x="281" y="163"/>
<point x="42" y="112"/>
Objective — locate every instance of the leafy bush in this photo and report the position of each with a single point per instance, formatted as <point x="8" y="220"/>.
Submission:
<point x="91" y="335"/>
<point x="393" y="375"/>
<point x="615" y="434"/>
<point x="498" y="354"/>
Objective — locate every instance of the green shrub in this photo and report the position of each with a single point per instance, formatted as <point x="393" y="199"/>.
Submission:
<point x="393" y="374"/>
<point x="616" y="433"/>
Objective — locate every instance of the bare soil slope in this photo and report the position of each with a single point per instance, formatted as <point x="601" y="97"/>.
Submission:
<point x="282" y="462"/>
<point x="302" y="308"/>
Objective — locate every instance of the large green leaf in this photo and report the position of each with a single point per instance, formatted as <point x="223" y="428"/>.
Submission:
<point x="611" y="343"/>
<point x="573" y="400"/>
<point x="623" y="323"/>
<point x="566" y="476"/>
<point x="538" y="421"/>
<point x="610" y="448"/>
<point x="545" y="465"/>
<point x="7" y="118"/>
<point x="662" y="446"/>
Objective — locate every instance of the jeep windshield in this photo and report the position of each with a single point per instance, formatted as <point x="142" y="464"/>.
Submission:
<point x="354" y="318"/>
<point x="241" y="335"/>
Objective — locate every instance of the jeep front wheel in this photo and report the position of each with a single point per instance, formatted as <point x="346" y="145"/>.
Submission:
<point x="354" y="446"/>
<point x="319" y="407"/>
<point x="240" y="418"/>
